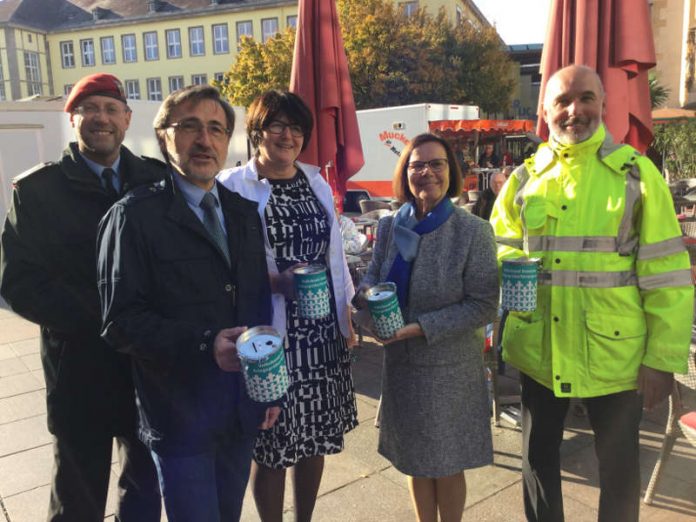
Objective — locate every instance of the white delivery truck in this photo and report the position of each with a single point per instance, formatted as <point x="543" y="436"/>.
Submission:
<point x="384" y="133"/>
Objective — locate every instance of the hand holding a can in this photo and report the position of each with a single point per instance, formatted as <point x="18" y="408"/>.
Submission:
<point x="406" y="332"/>
<point x="284" y="282"/>
<point x="225" y="349"/>
<point x="270" y="417"/>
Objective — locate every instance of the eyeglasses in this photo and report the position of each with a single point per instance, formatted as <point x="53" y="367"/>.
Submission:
<point x="278" y="127"/>
<point x="436" y="165"/>
<point x="89" y="110"/>
<point x="195" y="127"/>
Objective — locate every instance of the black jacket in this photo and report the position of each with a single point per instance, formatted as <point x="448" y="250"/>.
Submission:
<point x="48" y="276"/>
<point x="166" y="292"/>
<point x="484" y="204"/>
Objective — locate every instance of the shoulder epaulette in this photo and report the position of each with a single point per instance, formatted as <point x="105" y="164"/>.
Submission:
<point x="622" y="159"/>
<point x="143" y="192"/>
<point x="32" y="171"/>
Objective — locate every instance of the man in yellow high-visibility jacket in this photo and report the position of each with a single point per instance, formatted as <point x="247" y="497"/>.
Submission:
<point x="614" y="303"/>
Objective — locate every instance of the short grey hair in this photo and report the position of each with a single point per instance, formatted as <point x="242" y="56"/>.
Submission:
<point x="192" y="93"/>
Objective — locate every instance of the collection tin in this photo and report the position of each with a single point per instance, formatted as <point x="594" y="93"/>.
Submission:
<point x="384" y="309"/>
<point x="312" y="291"/>
<point x="519" y="288"/>
<point x="263" y="363"/>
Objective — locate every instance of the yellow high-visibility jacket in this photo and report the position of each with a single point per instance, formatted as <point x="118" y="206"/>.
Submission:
<point x="614" y="289"/>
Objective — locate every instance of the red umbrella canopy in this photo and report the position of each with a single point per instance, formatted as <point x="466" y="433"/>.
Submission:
<point x="614" y="37"/>
<point x="320" y="77"/>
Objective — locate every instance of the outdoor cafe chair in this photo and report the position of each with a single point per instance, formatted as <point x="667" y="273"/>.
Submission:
<point x="678" y="420"/>
<point x="367" y="205"/>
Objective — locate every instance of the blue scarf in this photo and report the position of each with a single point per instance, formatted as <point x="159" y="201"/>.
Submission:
<point x="407" y="232"/>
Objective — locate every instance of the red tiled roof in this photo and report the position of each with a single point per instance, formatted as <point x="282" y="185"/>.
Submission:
<point x="63" y="14"/>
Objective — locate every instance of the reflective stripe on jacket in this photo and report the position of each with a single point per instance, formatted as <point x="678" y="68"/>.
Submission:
<point x="614" y="288"/>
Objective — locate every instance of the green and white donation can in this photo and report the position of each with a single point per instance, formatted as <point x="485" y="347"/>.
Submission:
<point x="520" y="284"/>
<point x="384" y="309"/>
<point x="312" y="291"/>
<point x="263" y="363"/>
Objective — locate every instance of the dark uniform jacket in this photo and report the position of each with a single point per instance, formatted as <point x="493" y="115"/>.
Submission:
<point x="48" y="276"/>
<point x="167" y="291"/>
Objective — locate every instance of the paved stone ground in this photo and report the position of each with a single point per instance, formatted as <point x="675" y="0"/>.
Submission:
<point x="359" y="485"/>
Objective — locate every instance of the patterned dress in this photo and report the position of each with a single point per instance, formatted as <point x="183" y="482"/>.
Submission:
<point x="320" y="404"/>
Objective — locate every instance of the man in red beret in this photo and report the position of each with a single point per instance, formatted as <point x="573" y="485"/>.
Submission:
<point x="48" y="276"/>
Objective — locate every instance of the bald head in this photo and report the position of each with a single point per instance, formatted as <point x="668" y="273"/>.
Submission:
<point x="572" y="73"/>
<point x="573" y="104"/>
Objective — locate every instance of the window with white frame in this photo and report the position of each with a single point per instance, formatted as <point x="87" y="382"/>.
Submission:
<point x="408" y="8"/>
<point x="196" y="41"/>
<point x="221" y="41"/>
<point x="154" y="89"/>
<point x="269" y="28"/>
<point x="175" y="83"/>
<point x="173" y="43"/>
<point x="67" y="88"/>
<point x="151" y="46"/>
<point x="32" y="70"/>
<point x="132" y="89"/>
<point x="87" y="51"/>
<point x="245" y="28"/>
<point x="199" y="79"/>
<point x="67" y="55"/>
<point x="219" y="77"/>
<point x="292" y="21"/>
<point x="460" y="15"/>
<point x="108" y="50"/>
<point x="130" y="54"/>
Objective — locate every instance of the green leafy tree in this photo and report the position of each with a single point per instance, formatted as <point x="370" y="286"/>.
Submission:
<point x="258" y="68"/>
<point x="658" y="92"/>
<point x="482" y="71"/>
<point x="677" y="143"/>
<point x="393" y="59"/>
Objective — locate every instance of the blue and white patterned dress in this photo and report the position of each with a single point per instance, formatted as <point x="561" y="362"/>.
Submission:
<point x="320" y="404"/>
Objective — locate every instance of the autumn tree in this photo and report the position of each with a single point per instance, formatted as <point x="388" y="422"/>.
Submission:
<point x="393" y="59"/>
<point x="479" y="69"/>
<point x="258" y="68"/>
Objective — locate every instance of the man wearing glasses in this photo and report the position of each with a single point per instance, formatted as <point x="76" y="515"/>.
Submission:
<point x="47" y="275"/>
<point x="182" y="272"/>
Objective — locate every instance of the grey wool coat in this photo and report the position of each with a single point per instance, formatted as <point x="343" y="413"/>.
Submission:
<point x="435" y="416"/>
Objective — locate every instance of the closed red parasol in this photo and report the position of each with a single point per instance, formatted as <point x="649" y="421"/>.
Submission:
<point x="320" y="77"/>
<point x="614" y="37"/>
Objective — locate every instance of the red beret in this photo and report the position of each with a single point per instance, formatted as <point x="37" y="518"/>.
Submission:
<point x="100" y="84"/>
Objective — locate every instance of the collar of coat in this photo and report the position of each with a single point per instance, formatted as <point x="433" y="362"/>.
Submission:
<point x="133" y="170"/>
<point x="617" y="157"/>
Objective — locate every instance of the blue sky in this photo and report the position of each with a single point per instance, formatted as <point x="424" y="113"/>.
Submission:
<point x="517" y="21"/>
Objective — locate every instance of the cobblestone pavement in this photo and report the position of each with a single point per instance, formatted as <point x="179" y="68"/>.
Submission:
<point x="359" y="485"/>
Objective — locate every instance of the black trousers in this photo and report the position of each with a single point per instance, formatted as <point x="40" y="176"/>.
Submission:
<point x="81" y="470"/>
<point x="615" y="422"/>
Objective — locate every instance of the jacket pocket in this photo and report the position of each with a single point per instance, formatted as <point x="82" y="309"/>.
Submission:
<point x="534" y="212"/>
<point x="615" y="345"/>
<point x="523" y="342"/>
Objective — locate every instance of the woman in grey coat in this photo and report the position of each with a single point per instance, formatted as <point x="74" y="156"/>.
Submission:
<point x="435" y="416"/>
